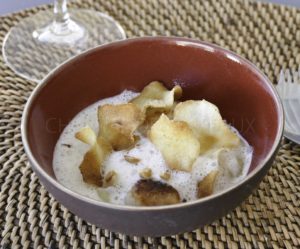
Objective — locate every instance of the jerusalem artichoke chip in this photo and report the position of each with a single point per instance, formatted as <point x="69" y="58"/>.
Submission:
<point x="154" y="100"/>
<point x="176" y="142"/>
<point x="147" y="192"/>
<point x="91" y="165"/>
<point x="206" y="186"/>
<point x="152" y="115"/>
<point x="205" y="120"/>
<point x="118" y="122"/>
<point x="156" y="96"/>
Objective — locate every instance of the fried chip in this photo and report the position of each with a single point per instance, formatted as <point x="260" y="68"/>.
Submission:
<point x="176" y="141"/>
<point x="205" y="120"/>
<point x="156" y="96"/>
<point x="86" y="135"/>
<point x="152" y="115"/>
<point x="206" y="186"/>
<point x="118" y="122"/>
<point x="154" y="100"/>
<point x="91" y="164"/>
<point x="147" y="192"/>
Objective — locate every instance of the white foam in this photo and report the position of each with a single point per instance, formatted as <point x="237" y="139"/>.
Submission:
<point x="66" y="162"/>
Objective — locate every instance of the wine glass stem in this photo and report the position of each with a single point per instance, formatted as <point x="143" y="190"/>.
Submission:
<point x="61" y="16"/>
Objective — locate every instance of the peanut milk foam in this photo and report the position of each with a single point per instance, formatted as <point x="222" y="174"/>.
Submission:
<point x="69" y="153"/>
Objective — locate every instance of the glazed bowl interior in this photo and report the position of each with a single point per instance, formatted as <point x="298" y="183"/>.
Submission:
<point x="245" y="97"/>
<point x="203" y="71"/>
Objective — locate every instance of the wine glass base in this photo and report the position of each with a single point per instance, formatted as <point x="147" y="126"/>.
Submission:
<point x="31" y="48"/>
<point x="69" y="34"/>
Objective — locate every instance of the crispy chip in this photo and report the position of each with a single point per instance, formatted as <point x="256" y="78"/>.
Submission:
<point x="155" y="95"/>
<point x="86" y="135"/>
<point x="147" y="192"/>
<point x="153" y="114"/>
<point x="206" y="186"/>
<point x="91" y="165"/>
<point x="154" y="100"/>
<point x="205" y="120"/>
<point x="151" y="117"/>
<point x="118" y="122"/>
<point x="176" y="142"/>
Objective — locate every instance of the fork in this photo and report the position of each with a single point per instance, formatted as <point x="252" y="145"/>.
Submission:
<point x="288" y="88"/>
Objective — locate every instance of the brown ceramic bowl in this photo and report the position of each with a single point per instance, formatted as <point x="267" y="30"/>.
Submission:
<point x="246" y="99"/>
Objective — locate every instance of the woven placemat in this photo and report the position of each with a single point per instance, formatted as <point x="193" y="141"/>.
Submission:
<point x="266" y="34"/>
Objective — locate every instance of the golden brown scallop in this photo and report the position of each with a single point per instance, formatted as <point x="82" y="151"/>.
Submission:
<point x="147" y="192"/>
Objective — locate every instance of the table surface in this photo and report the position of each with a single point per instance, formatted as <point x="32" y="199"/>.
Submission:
<point x="9" y="6"/>
<point x="266" y="34"/>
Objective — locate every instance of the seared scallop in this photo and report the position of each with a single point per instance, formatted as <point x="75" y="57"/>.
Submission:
<point x="147" y="192"/>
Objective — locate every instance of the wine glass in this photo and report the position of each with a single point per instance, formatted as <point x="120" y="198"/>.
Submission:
<point x="41" y="42"/>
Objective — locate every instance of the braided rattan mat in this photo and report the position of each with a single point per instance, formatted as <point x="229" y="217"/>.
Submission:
<point x="266" y="34"/>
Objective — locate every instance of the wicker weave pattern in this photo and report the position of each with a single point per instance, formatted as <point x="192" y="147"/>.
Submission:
<point x="267" y="34"/>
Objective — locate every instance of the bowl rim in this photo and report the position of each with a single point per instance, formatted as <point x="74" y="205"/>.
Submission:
<point x="181" y="41"/>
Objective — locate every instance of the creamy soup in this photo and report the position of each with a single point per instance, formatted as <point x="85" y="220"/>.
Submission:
<point x="69" y="152"/>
